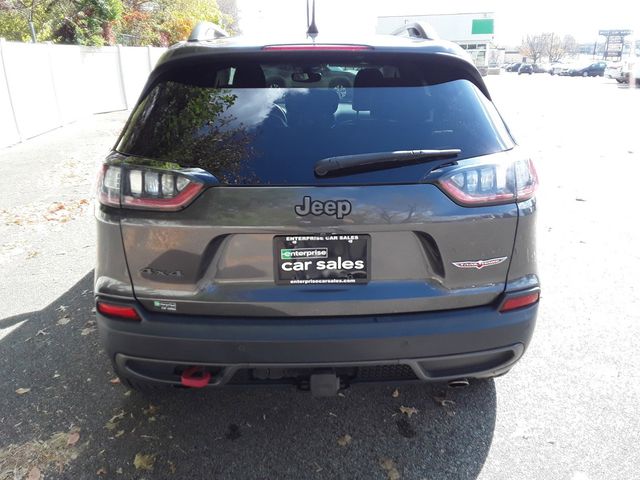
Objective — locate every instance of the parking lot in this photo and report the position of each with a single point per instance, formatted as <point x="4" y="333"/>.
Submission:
<point x="568" y="410"/>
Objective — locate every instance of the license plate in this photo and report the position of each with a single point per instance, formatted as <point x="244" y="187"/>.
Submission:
<point x="321" y="259"/>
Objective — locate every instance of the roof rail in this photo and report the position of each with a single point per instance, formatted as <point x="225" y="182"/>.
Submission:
<point x="417" y="30"/>
<point x="207" y="31"/>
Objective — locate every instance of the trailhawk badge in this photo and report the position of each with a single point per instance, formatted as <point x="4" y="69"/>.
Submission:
<point x="479" y="264"/>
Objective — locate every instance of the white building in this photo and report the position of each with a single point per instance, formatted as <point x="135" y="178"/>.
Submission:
<point x="472" y="31"/>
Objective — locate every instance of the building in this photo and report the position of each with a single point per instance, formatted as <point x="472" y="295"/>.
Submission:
<point x="472" y="31"/>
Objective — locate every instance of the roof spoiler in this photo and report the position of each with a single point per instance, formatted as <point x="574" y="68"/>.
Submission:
<point x="417" y="30"/>
<point x="207" y="31"/>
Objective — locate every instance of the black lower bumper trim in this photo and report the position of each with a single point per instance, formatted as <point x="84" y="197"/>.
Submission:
<point x="468" y="365"/>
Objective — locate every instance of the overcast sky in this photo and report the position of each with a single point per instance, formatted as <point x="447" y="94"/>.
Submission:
<point x="514" y="18"/>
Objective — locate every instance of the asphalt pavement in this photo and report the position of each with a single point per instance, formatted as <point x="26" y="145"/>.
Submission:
<point x="568" y="410"/>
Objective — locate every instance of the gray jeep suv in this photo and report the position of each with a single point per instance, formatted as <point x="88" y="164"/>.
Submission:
<point x="256" y="235"/>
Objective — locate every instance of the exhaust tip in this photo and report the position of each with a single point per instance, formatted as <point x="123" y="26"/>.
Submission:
<point x="459" y="383"/>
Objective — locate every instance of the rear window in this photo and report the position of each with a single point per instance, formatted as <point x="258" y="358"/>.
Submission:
<point x="269" y="123"/>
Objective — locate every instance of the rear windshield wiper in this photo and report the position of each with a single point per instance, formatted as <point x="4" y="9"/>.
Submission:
<point x="364" y="162"/>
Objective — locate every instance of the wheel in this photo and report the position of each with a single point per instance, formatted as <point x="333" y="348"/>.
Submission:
<point x="585" y="74"/>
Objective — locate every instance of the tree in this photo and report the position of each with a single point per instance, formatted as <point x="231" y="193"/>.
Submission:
<point x="85" y="22"/>
<point x="165" y="22"/>
<point x="534" y="46"/>
<point x="99" y="22"/>
<point x="555" y="47"/>
<point x="570" y="45"/>
<point x="230" y="9"/>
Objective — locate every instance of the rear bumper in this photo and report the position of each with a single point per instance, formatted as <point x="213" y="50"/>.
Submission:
<point x="473" y="343"/>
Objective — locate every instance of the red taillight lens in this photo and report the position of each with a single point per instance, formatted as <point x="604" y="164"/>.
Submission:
<point x="504" y="181"/>
<point x="520" y="301"/>
<point x="317" y="47"/>
<point x="118" y="311"/>
<point x="138" y="187"/>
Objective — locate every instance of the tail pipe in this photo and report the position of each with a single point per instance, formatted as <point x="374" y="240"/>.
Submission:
<point x="459" y="383"/>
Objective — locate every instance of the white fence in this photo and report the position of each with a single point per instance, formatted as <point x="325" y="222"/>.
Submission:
<point x="44" y="86"/>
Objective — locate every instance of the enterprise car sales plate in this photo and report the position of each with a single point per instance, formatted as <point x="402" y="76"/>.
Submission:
<point x="321" y="259"/>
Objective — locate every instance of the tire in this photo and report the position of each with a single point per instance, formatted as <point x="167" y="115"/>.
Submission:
<point x="585" y="74"/>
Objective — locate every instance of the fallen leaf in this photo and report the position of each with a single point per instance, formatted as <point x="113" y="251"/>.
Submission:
<point x="408" y="411"/>
<point x="86" y="331"/>
<point x="73" y="438"/>
<point x="101" y="471"/>
<point x="64" y="320"/>
<point x="115" y="380"/>
<point x="62" y="308"/>
<point x="396" y="393"/>
<point x="119" y="434"/>
<point x="152" y="410"/>
<point x="144" y="462"/>
<point x="389" y="466"/>
<point x="55" y="207"/>
<point x="34" y="474"/>
<point x="22" y="391"/>
<point x="119" y="471"/>
<point x="172" y="466"/>
<point x="443" y="402"/>
<point x="344" y="440"/>
<point x="113" y="421"/>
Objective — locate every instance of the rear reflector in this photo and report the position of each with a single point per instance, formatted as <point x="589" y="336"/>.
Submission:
<point x="518" y="302"/>
<point x="317" y="47"/>
<point x="118" y="311"/>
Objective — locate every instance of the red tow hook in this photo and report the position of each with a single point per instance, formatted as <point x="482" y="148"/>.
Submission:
<point x="195" y="377"/>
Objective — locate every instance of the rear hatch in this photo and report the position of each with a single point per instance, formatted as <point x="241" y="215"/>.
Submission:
<point x="269" y="233"/>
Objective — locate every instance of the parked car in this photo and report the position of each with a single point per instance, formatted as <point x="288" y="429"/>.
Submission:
<point x="257" y="235"/>
<point x="540" y="68"/>
<point x="616" y="72"/>
<point x="595" y="69"/>
<point x="621" y="72"/>
<point x="632" y="70"/>
<point x="514" y="67"/>
<point x="525" y="68"/>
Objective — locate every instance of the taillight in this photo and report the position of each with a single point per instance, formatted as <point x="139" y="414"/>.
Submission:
<point x="118" y="311"/>
<point x="138" y="187"/>
<point x="503" y="181"/>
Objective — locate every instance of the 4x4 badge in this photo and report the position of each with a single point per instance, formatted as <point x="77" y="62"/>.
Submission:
<point x="479" y="264"/>
<point x="337" y="208"/>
